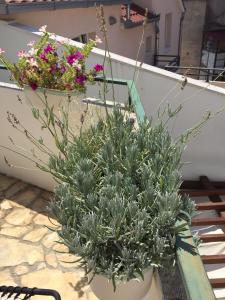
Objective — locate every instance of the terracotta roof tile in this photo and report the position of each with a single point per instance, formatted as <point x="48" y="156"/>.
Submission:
<point x="137" y="13"/>
<point x="134" y="16"/>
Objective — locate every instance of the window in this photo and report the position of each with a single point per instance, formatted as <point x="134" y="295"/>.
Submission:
<point x="168" y="29"/>
<point x="83" y="38"/>
<point x="148" y="44"/>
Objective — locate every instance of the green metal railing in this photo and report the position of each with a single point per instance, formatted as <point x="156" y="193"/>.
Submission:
<point x="194" y="277"/>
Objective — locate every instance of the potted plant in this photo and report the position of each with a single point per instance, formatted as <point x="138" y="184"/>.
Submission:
<point x="117" y="199"/>
<point x="55" y="69"/>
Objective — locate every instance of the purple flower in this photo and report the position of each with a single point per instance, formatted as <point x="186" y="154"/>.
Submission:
<point x="81" y="79"/>
<point x="43" y="57"/>
<point x="33" y="85"/>
<point x="98" y="68"/>
<point x="63" y="69"/>
<point x="79" y="55"/>
<point x="53" y="69"/>
<point x="48" y="49"/>
<point x="74" y="56"/>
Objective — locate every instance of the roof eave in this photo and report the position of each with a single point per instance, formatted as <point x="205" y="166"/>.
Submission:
<point x="53" y="5"/>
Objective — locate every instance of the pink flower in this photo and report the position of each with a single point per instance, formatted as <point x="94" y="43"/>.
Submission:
<point x="77" y="65"/>
<point x="32" y="61"/>
<point x="63" y="69"/>
<point x="74" y="56"/>
<point x="1" y="51"/>
<point x="43" y="57"/>
<point x="22" y="53"/>
<point x="32" y="51"/>
<point x="31" y="44"/>
<point x="48" y="49"/>
<point x="53" y="69"/>
<point x="98" y="68"/>
<point x="43" y="28"/>
<point x="81" y="79"/>
<point x="33" y="85"/>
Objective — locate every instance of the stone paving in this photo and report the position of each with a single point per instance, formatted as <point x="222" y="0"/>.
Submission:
<point x="29" y="253"/>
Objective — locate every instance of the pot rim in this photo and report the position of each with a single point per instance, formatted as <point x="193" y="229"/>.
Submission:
<point x="149" y="269"/>
<point x="54" y="91"/>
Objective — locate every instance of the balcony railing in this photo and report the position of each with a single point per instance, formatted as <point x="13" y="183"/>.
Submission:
<point x="206" y="74"/>
<point x="163" y="60"/>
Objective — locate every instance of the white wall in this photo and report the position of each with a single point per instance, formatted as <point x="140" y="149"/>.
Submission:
<point x="205" y="153"/>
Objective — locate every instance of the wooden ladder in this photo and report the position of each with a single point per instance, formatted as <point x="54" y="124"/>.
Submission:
<point x="212" y="190"/>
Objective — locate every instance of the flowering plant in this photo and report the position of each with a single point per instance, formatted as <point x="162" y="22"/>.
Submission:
<point x="53" y="65"/>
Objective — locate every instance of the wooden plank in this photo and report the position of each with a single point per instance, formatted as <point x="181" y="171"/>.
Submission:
<point x="203" y="192"/>
<point x="217" y="283"/>
<point x="208" y="221"/>
<point x="207" y="238"/>
<point x="213" y="259"/>
<point x="211" y="206"/>
<point x="209" y="186"/>
<point x="193" y="184"/>
<point x="214" y="198"/>
<point x="196" y="283"/>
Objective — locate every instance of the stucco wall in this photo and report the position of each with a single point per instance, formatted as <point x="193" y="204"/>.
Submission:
<point x="163" y="7"/>
<point x="73" y="22"/>
<point x="192" y="32"/>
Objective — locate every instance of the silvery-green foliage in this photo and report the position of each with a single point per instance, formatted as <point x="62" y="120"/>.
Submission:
<point x="118" y="202"/>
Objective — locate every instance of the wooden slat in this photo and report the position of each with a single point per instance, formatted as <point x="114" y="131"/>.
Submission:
<point x="208" y="221"/>
<point x="217" y="283"/>
<point x="193" y="184"/>
<point x="207" y="238"/>
<point x="203" y="192"/>
<point x="211" y="206"/>
<point x="214" y="198"/>
<point x="209" y="186"/>
<point x="213" y="259"/>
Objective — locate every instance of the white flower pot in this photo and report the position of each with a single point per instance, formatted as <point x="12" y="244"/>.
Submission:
<point x="54" y="97"/>
<point x="135" y="289"/>
<point x="77" y="107"/>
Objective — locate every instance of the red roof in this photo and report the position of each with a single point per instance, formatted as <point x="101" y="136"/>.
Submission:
<point x="137" y="13"/>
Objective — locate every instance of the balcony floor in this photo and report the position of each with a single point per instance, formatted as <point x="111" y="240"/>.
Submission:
<point x="30" y="255"/>
<point x="28" y="249"/>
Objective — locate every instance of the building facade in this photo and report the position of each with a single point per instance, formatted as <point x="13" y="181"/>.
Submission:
<point x="124" y="22"/>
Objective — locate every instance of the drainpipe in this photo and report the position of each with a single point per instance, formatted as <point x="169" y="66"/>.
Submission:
<point x="180" y="35"/>
<point x="156" y="42"/>
<point x="128" y="11"/>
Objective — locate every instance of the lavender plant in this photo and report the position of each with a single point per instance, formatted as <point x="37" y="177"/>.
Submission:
<point x="118" y="196"/>
<point x="117" y="200"/>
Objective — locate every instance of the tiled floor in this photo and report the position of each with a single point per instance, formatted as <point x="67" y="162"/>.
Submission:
<point x="29" y="252"/>
<point x="30" y="255"/>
